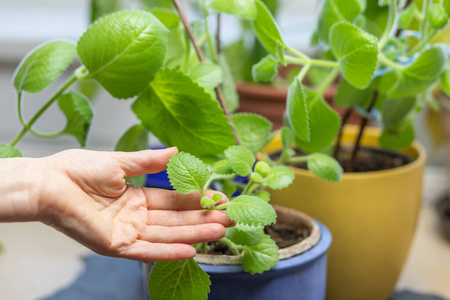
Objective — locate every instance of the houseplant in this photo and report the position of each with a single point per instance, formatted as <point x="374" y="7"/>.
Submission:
<point x="387" y="77"/>
<point x="125" y="53"/>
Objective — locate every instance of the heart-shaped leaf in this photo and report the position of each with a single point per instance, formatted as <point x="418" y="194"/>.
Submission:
<point x="187" y="173"/>
<point x="240" y="159"/>
<point x="207" y="75"/>
<point x="253" y="130"/>
<point x="242" y="237"/>
<point x="325" y="167"/>
<point x="251" y="211"/>
<point x="266" y="69"/>
<point x="261" y="257"/>
<point x="279" y="177"/>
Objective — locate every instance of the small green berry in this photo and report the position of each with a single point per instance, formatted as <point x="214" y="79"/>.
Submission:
<point x="256" y="177"/>
<point x="207" y="203"/>
<point x="262" y="168"/>
<point x="437" y="16"/>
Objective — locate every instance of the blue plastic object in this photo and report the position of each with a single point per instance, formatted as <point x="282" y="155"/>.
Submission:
<point x="158" y="180"/>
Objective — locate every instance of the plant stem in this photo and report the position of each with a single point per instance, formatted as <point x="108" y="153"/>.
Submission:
<point x="423" y="42"/>
<point x="337" y="147"/>
<point x="423" y="24"/>
<point x="313" y="62"/>
<point x="19" y="108"/>
<point x="323" y="86"/>
<point x="389" y="62"/>
<point x="357" y="145"/>
<point x="222" y="206"/>
<point x="201" y="57"/>
<point x="297" y="159"/>
<point x="27" y="126"/>
<point x="204" y="248"/>
<point x="389" y="26"/>
<point x="235" y="248"/>
<point x="248" y="187"/>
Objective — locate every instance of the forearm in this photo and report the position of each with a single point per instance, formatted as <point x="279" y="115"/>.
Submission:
<point x="19" y="189"/>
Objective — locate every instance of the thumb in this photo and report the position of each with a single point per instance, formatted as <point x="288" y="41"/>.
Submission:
<point x="145" y="161"/>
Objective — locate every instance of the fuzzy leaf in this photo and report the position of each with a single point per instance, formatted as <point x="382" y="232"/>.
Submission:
<point x="287" y="137"/>
<point x="445" y="81"/>
<point x="437" y="16"/>
<point x="325" y="167"/>
<point x="356" y="51"/>
<point x="398" y="137"/>
<point x="44" y="65"/>
<point x="407" y="15"/>
<point x="279" y="177"/>
<point x="263" y="195"/>
<point x="207" y="75"/>
<point x="187" y="173"/>
<point x="222" y="167"/>
<point x="242" y="8"/>
<point x="245" y="238"/>
<point x="324" y="123"/>
<point x="395" y="110"/>
<point x="7" y="151"/>
<point x="261" y="257"/>
<point x="123" y="51"/>
<point x="134" y="139"/>
<point x="168" y="17"/>
<point x="334" y="11"/>
<point x="266" y="29"/>
<point x="253" y="130"/>
<point x="297" y="111"/>
<point x="266" y="69"/>
<point x="228" y="87"/>
<point x="181" y="113"/>
<point x="178" y="280"/>
<point x="229" y="188"/>
<point x="78" y="111"/>
<point x="446" y="4"/>
<point x="251" y="212"/>
<point x="420" y="75"/>
<point x="347" y="95"/>
<point x="240" y="159"/>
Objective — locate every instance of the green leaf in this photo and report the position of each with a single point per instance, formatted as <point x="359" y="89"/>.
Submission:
<point x="395" y="110"/>
<point x="446" y="4"/>
<point x="266" y="29"/>
<point x="437" y="16"/>
<point x="261" y="257"/>
<point x="251" y="212"/>
<point x="324" y="123"/>
<point x="240" y="159"/>
<point x="279" y="177"/>
<point x="407" y="15"/>
<point x="297" y="112"/>
<point x="181" y="113"/>
<point x="228" y="86"/>
<point x="134" y="139"/>
<point x="263" y="195"/>
<point x="287" y="137"/>
<point x="229" y="188"/>
<point x="266" y="69"/>
<point x="347" y="95"/>
<point x="168" y="4"/>
<point x="168" y="17"/>
<point x="187" y="173"/>
<point x="7" y="151"/>
<point x="43" y="66"/>
<point x="420" y="75"/>
<point x="253" y="130"/>
<point x="356" y="51"/>
<point x="100" y="8"/>
<point x="207" y="75"/>
<point x="325" y="167"/>
<point x="242" y="8"/>
<point x="398" y="137"/>
<point x="334" y="11"/>
<point x="178" y="280"/>
<point x="245" y="238"/>
<point x="222" y="167"/>
<point x="123" y="51"/>
<point x="445" y="82"/>
<point x="78" y="111"/>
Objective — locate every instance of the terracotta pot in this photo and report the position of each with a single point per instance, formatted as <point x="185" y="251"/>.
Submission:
<point x="270" y="102"/>
<point x="371" y="215"/>
<point x="300" y="274"/>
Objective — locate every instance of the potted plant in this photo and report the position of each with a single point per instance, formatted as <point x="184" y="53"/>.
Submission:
<point x="129" y="54"/>
<point x="389" y="77"/>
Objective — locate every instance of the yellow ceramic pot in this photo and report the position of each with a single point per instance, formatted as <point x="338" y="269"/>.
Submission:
<point x="372" y="217"/>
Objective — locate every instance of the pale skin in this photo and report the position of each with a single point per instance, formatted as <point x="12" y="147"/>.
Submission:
<point x="84" y="195"/>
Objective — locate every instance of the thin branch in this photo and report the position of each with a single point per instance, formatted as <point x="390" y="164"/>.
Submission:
<point x="345" y="119"/>
<point x="201" y="57"/>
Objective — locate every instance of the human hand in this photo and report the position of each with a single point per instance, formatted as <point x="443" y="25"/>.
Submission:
<point x="83" y="194"/>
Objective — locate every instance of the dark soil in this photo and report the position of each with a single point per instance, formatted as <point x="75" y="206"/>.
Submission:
<point x="368" y="159"/>
<point x="443" y="208"/>
<point x="284" y="236"/>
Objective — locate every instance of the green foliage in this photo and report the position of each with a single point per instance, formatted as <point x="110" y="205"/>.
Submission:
<point x="347" y="95"/>
<point x="240" y="159"/>
<point x="445" y="82"/>
<point x="178" y="112"/>
<point x="398" y="137"/>
<point x="207" y="75"/>
<point x="266" y="29"/>
<point x="123" y="51"/>
<point x="438" y="16"/>
<point x="407" y="15"/>
<point x="100" y="8"/>
<point x="43" y="66"/>
<point x="7" y="151"/>
<point x="245" y="238"/>
<point x="250" y="212"/>
<point x="356" y="51"/>
<point x="297" y="112"/>
<point x="395" y="110"/>
<point x="263" y="195"/>
<point x="242" y="8"/>
<point x="334" y="11"/>
<point x="287" y="137"/>
<point x="261" y="257"/>
<point x="178" y="280"/>
<point x="266" y="69"/>
<point x="253" y="130"/>
<point x="78" y="111"/>
<point x="134" y="139"/>
<point x="325" y="167"/>
<point x="228" y="86"/>
<point x="279" y="177"/>
<point x="169" y="18"/>
<point x="187" y="173"/>
<point x="223" y="167"/>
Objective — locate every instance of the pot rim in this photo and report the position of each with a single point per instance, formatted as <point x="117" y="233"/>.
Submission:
<point x="373" y="131"/>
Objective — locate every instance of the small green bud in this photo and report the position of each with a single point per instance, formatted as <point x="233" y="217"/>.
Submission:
<point x="217" y="197"/>
<point x="256" y="177"/>
<point x="437" y="16"/>
<point x="262" y="168"/>
<point x="207" y="203"/>
<point x="290" y="152"/>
